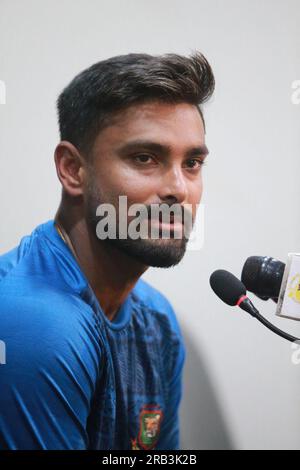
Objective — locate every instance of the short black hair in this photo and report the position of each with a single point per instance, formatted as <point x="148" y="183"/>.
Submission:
<point x="88" y="103"/>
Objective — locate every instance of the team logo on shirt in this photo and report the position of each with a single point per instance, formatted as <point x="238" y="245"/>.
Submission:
<point x="149" y="427"/>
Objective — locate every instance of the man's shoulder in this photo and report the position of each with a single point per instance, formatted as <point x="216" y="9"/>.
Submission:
<point x="44" y="312"/>
<point x="34" y="293"/>
<point x="24" y="260"/>
<point x="45" y="324"/>
<point x="13" y="258"/>
<point x="41" y="259"/>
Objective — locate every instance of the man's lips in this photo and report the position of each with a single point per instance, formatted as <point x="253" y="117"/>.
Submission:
<point x="170" y="223"/>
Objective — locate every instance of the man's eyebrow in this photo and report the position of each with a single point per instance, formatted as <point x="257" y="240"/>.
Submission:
<point x="159" y="148"/>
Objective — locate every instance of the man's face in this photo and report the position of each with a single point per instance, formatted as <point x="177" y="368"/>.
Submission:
<point x="152" y="154"/>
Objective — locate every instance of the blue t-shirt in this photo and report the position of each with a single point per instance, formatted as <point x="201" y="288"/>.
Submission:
<point x="72" y="379"/>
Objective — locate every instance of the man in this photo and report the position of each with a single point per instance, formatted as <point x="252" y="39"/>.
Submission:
<point x="94" y="354"/>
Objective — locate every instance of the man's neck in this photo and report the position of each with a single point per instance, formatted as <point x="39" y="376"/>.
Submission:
<point x="111" y="273"/>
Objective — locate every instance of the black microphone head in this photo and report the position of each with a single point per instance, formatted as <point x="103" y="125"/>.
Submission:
<point x="263" y="275"/>
<point x="226" y="286"/>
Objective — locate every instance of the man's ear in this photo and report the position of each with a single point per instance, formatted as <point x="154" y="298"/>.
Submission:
<point x="70" y="168"/>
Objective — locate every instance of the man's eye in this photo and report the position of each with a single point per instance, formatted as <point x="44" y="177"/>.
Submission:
<point x="195" y="163"/>
<point x="142" y="158"/>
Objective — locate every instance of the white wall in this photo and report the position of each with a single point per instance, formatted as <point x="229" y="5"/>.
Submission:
<point x="241" y="389"/>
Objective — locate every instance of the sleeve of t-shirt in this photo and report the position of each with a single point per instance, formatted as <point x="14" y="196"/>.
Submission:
<point x="49" y="376"/>
<point x="170" y="429"/>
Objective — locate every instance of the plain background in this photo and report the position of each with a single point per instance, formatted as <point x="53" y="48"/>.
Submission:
<point x="241" y="389"/>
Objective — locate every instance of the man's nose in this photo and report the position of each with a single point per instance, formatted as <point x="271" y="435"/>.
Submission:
<point x="173" y="186"/>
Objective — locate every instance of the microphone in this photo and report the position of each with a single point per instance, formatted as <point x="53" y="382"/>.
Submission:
<point x="263" y="275"/>
<point x="233" y="292"/>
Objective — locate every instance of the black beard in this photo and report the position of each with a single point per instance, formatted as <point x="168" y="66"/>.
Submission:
<point x="159" y="253"/>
